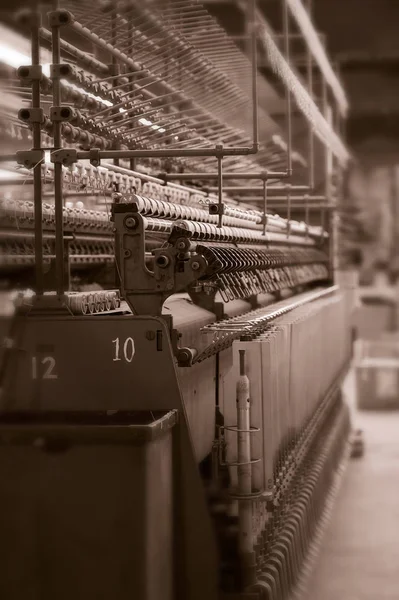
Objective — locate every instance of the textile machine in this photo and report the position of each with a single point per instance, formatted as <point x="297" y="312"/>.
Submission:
<point x="171" y="418"/>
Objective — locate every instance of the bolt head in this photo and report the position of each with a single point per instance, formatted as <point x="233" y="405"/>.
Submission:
<point x="195" y="266"/>
<point x="162" y="261"/>
<point x="131" y="223"/>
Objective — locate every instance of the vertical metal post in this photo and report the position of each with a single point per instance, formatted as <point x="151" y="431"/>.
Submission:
<point x="306" y="198"/>
<point x="286" y="30"/>
<point x="58" y="196"/>
<point x="37" y="144"/>
<point x="328" y="159"/>
<point x="288" y="209"/>
<point x="322" y="219"/>
<point x="132" y="161"/>
<point x="245" y="539"/>
<point x="324" y="101"/>
<point x="264" y="205"/>
<point x="333" y="218"/>
<point x="310" y="89"/>
<point x="113" y="59"/>
<point x="254" y="53"/>
<point x="220" y="189"/>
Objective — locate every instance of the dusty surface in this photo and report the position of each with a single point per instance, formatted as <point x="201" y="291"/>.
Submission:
<point x="360" y="555"/>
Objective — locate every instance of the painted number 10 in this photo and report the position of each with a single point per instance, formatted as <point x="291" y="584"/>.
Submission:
<point x="128" y="350"/>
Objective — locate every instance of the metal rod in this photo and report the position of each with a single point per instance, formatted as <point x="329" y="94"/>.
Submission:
<point x="264" y="206"/>
<point x="114" y="28"/>
<point x="81" y="57"/>
<point x="300" y="206"/>
<point x="186" y="176"/>
<point x="282" y="307"/>
<point x="37" y="171"/>
<point x="254" y="189"/>
<point x="314" y="42"/>
<point x="154" y="153"/>
<point x="244" y="472"/>
<point x="220" y="190"/>
<point x="327" y="158"/>
<point x="254" y="51"/>
<point x="310" y="126"/>
<point x="125" y="59"/>
<point x="281" y="199"/>
<point x="58" y="197"/>
<point x="287" y="91"/>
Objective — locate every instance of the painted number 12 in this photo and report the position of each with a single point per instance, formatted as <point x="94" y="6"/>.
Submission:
<point x="128" y="350"/>
<point x="43" y="368"/>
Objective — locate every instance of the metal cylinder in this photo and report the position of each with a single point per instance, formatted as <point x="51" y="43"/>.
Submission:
<point x="244" y="460"/>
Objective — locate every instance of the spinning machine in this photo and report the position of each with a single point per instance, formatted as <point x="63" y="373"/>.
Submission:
<point x="171" y="418"/>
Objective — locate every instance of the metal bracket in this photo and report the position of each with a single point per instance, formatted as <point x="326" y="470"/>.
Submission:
<point x="29" y="18"/>
<point x="30" y="72"/>
<point x="60" y="71"/>
<point x="31" y="115"/>
<point x="59" y="18"/>
<point x="184" y="356"/>
<point x="95" y="159"/>
<point x="66" y="157"/>
<point x="216" y="208"/>
<point x="205" y="300"/>
<point x="173" y="270"/>
<point x="62" y="113"/>
<point x="30" y="158"/>
<point x="114" y="70"/>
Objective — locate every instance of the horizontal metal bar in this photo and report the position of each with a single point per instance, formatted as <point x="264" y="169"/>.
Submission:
<point x="112" y="154"/>
<point x="8" y="158"/>
<point x="255" y="189"/>
<point x="278" y="309"/>
<point x="283" y="201"/>
<point x="310" y="207"/>
<point x="186" y="176"/>
<point x="21" y="181"/>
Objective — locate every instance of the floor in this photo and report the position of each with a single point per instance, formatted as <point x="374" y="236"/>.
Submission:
<point x="360" y="555"/>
